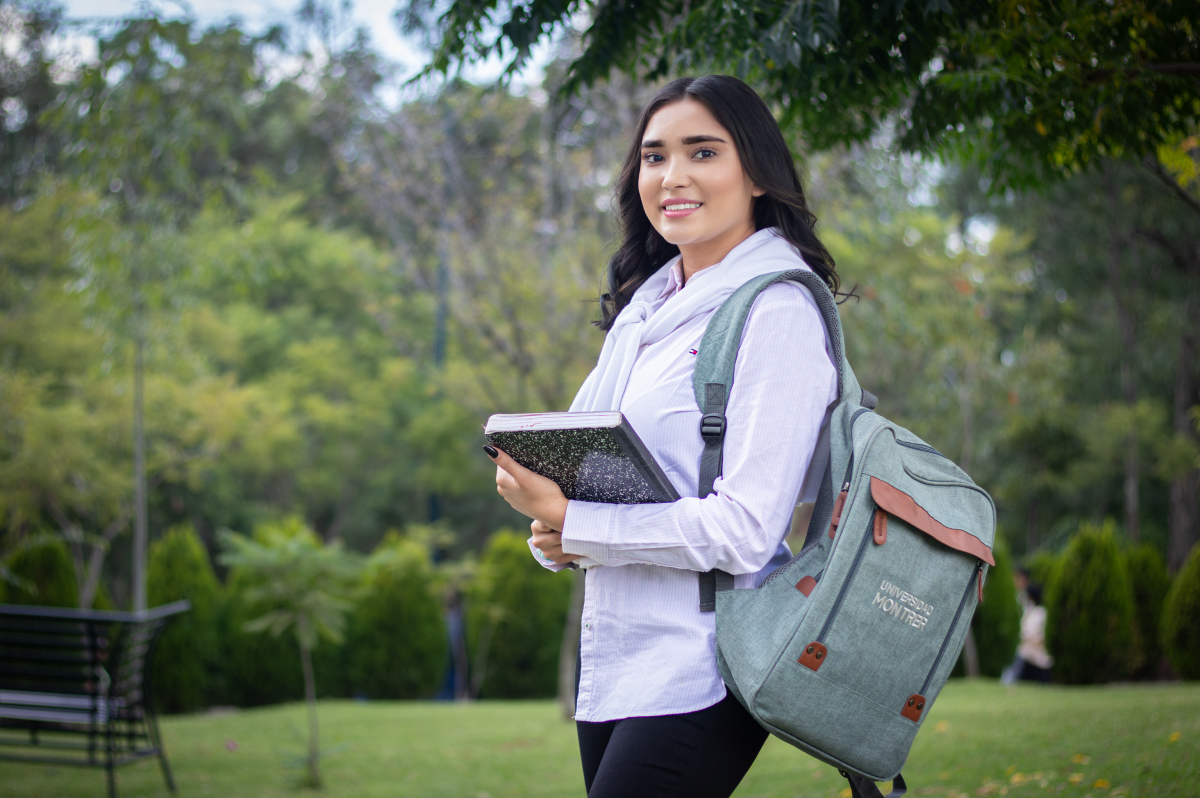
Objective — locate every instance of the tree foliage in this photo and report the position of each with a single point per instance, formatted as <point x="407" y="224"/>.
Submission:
<point x="1027" y="88"/>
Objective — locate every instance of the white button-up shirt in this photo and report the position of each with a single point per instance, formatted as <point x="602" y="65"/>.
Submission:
<point x="646" y="648"/>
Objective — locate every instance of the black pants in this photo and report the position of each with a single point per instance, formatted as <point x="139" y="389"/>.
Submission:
<point x="700" y="754"/>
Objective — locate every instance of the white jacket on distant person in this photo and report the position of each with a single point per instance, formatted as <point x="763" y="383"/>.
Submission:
<point x="1033" y="637"/>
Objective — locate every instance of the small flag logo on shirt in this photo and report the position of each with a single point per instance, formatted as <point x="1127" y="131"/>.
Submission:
<point x="691" y="351"/>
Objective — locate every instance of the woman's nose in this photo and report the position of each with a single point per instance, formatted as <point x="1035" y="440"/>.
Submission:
<point x="676" y="175"/>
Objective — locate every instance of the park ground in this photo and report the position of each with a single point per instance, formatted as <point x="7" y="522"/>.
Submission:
<point x="980" y="739"/>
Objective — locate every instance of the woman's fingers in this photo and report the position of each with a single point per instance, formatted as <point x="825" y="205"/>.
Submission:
<point x="528" y="492"/>
<point x="549" y="542"/>
<point x="506" y="463"/>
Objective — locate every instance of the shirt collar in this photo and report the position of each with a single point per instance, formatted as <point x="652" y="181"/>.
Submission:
<point x="675" y="282"/>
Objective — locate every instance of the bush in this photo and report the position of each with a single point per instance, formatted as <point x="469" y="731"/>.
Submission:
<point x="47" y="575"/>
<point x="1040" y="565"/>
<point x="997" y="621"/>
<point x="518" y="610"/>
<point x="397" y="644"/>
<point x="1150" y="582"/>
<point x="1180" y="631"/>
<point x="1089" y="606"/>
<point x="188" y="659"/>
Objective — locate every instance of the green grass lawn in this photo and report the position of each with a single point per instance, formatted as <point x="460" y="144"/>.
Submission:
<point x="981" y="739"/>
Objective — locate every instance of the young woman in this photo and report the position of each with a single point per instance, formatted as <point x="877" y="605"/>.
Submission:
<point x="709" y="198"/>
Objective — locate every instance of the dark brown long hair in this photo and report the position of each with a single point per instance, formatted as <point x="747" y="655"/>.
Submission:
<point x="767" y="161"/>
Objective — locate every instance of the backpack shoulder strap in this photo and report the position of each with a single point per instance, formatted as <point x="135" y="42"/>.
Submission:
<point x="713" y="380"/>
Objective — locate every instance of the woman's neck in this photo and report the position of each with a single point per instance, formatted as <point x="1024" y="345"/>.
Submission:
<point x="697" y="257"/>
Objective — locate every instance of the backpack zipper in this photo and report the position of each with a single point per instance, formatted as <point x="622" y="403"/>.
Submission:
<point x="953" y="624"/>
<point x="858" y="555"/>
<point x="922" y="447"/>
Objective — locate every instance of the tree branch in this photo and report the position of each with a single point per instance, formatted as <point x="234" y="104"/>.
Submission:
<point x="1182" y="68"/>
<point x="1151" y="165"/>
<point x="1178" y="255"/>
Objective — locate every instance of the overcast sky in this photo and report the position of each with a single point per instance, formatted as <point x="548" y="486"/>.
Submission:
<point x="374" y="15"/>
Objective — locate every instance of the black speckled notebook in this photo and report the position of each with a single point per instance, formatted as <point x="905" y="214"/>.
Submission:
<point x="594" y="457"/>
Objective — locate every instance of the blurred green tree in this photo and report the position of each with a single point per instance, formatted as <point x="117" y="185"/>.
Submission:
<point x="151" y="123"/>
<point x="303" y="586"/>
<point x="39" y="572"/>
<point x="396" y="645"/>
<point x="515" y="617"/>
<point x="188" y="663"/>
<point x="1180" y="633"/>
<point x="997" y="621"/>
<point x="1090" y="610"/>
<point x="1150" y="582"/>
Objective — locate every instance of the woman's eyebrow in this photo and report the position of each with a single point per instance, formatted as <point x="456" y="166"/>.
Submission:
<point x="651" y="144"/>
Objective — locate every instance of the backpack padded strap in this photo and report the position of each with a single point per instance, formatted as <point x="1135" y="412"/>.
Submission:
<point x="712" y="430"/>
<point x="713" y="380"/>
<point x="862" y="787"/>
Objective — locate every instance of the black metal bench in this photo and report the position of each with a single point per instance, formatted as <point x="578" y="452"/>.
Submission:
<point x="75" y="686"/>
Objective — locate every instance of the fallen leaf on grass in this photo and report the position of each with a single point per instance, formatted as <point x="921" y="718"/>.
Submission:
<point x="1018" y="779"/>
<point x="1075" y="778"/>
<point x="941" y="727"/>
<point x="1102" y="784"/>
<point x="846" y="793"/>
<point x="231" y="745"/>
<point x="1081" y="759"/>
<point x="1174" y="738"/>
<point x="1011" y="770"/>
<point x="945" y="774"/>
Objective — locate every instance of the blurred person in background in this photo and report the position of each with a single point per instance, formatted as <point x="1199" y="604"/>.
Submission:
<point x="1035" y="660"/>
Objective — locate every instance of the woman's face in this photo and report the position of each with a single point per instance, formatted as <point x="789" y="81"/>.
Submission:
<point x="693" y="187"/>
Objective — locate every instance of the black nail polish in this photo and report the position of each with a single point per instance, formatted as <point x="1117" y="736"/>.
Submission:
<point x="491" y="452"/>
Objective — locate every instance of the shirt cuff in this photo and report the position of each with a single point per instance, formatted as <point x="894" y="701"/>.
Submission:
<point x="549" y="565"/>
<point x="586" y="530"/>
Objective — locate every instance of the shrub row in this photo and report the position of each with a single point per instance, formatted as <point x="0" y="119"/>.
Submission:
<point x="1112" y="614"/>
<point x="396" y="644"/>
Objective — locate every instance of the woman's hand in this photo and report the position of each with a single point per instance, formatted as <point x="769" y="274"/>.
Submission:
<point x="549" y="542"/>
<point x="530" y="494"/>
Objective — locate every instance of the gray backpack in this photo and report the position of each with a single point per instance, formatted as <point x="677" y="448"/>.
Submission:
<point x="843" y="650"/>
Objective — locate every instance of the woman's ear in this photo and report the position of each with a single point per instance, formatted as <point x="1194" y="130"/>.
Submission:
<point x="757" y="192"/>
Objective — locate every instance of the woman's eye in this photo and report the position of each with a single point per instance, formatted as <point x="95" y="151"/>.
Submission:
<point x="705" y="153"/>
<point x="652" y="157"/>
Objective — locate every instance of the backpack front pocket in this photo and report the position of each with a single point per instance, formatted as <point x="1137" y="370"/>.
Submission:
<point x="903" y="604"/>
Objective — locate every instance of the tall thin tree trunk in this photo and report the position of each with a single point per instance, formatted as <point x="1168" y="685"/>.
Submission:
<point x="1126" y="324"/>
<point x="141" y="524"/>
<point x="971" y="654"/>
<point x="1031" y="525"/>
<point x="310" y="699"/>
<point x="1184" y="508"/>
<point x="570" y="647"/>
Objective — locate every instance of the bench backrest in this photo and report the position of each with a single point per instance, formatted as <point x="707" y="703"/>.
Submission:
<point x="82" y="664"/>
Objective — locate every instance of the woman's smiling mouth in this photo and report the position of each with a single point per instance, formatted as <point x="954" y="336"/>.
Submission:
<point x="674" y="209"/>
